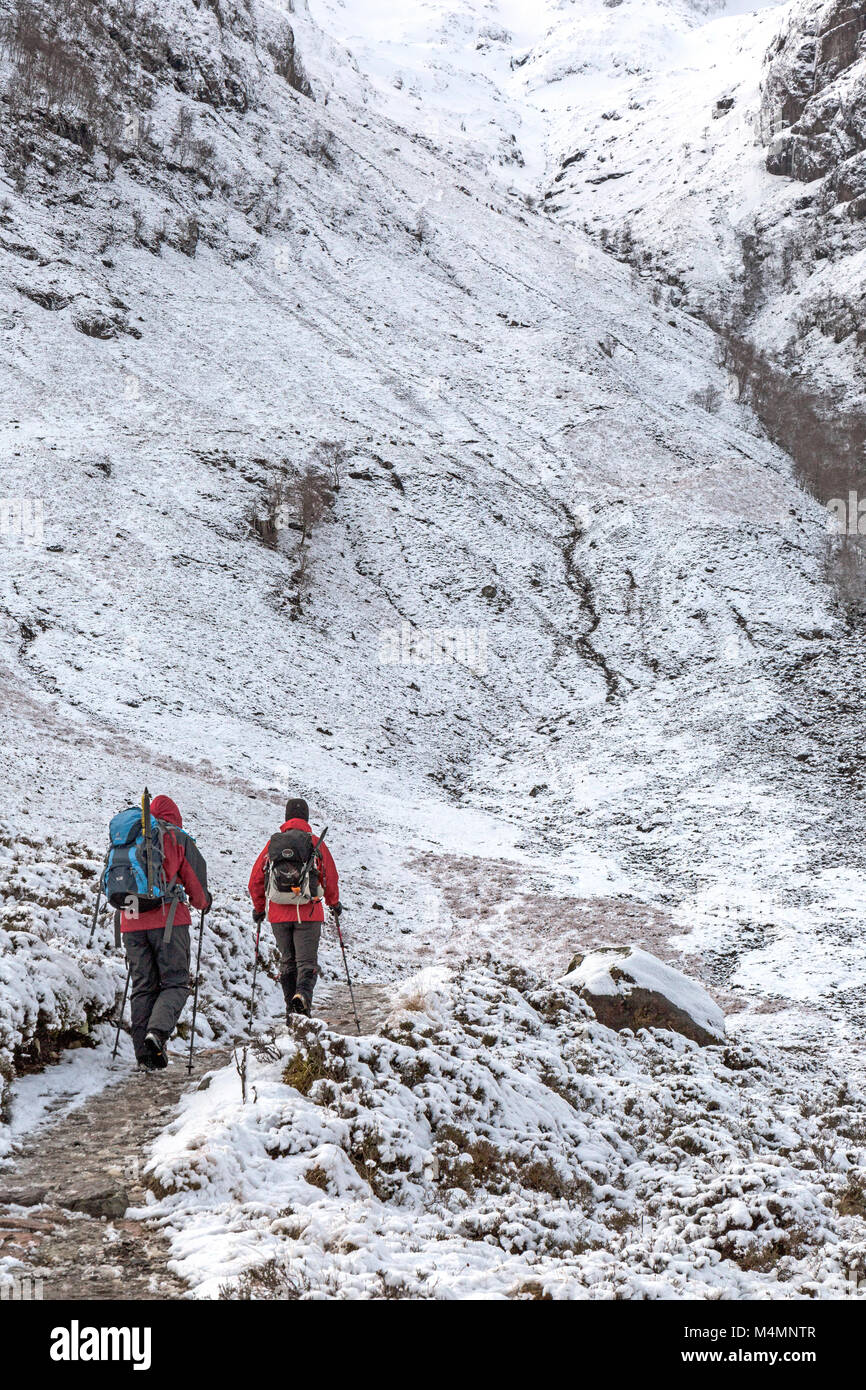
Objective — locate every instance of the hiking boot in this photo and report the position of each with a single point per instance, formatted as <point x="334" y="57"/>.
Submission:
<point x="289" y="996"/>
<point x="300" y="1005"/>
<point x="145" y="1063"/>
<point x="155" y="1052"/>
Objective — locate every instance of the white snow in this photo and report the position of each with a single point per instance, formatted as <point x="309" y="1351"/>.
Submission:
<point x="659" y="744"/>
<point x="506" y="1145"/>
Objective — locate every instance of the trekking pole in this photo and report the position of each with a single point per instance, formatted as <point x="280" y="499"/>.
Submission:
<point x="336" y="921"/>
<point x="98" y="900"/>
<point x="255" y="972"/>
<point x="95" y="915"/>
<point x="148" y="847"/>
<point x="120" y="1015"/>
<point x="195" y="995"/>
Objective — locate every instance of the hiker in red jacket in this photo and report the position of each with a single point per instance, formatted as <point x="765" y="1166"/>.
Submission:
<point x="297" y="924"/>
<point x="157" y="942"/>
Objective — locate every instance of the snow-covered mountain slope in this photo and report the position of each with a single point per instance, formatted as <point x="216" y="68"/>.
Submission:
<point x="729" y="164"/>
<point x="559" y="663"/>
<point x="526" y="470"/>
<point x="667" y="153"/>
<point x="513" y="85"/>
<point x="495" y="1142"/>
<point x="679" y="134"/>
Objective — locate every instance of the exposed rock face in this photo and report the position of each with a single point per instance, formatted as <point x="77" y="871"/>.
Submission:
<point x="807" y="270"/>
<point x="628" y="988"/>
<point x="813" y="111"/>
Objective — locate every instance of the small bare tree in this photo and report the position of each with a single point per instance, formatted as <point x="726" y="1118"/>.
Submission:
<point x="332" y="455"/>
<point x="315" y="499"/>
<point x="845" y="569"/>
<point x="709" y="398"/>
<point x="181" y="138"/>
<point x="321" y="145"/>
<point x="187" y="236"/>
<point x="296" y="502"/>
<point x="269" y="516"/>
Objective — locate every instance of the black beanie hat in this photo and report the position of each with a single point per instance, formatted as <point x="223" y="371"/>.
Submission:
<point x="297" y="809"/>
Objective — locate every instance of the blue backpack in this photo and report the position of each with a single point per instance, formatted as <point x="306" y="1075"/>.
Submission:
<point x="125" y="878"/>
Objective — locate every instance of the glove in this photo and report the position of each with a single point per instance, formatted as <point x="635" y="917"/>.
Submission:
<point x="337" y="910"/>
<point x="209" y="904"/>
<point x="258" y="918"/>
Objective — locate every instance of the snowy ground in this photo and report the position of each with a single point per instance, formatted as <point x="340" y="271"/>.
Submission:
<point x="496" y="1142"/>
<point x="642" y="122"/>
<point x="653" y="704"/>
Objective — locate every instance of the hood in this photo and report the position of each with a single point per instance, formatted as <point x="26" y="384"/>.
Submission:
<point x="296" y="824"/>
<point x="163" y="808"/>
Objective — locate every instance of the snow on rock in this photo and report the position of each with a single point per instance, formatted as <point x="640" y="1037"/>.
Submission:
<point x="506" y="1145"/>
<point x="628" y="988"/>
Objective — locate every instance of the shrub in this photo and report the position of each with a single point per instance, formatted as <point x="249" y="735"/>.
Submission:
<point x="853" y="1199"/>
<point x="320" y="145"/>
<point x="188" y="235"/>
<point x="709" y="398"/>
<point x="825" y="441"/>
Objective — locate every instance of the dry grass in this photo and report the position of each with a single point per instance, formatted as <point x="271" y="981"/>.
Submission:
<point x="317" y="1177"/>
<point x="533" y="1291"/>
<point x="309" y="1064"/>
<point x="415" y="1003"/>
<point x="853" y="1199"/>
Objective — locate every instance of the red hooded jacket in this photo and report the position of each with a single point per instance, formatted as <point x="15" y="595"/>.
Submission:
<point x="175" y="864"/>
<point x="300" y="912"/>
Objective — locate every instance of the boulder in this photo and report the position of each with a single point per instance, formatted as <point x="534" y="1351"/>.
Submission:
<point x="95" y="1198"/>
<point x="627" y="987"/>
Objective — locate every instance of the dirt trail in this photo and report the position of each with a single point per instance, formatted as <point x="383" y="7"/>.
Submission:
<point x="63" y="1202"/>
<point x="334" y="1005"/>
<point x="78" y="1175"/>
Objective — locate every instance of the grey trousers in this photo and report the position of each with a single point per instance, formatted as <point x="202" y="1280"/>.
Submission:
<point x="298" y="945"/>
<point x="159" y="981"/>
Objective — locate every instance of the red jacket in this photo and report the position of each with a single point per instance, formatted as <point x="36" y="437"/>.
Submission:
<point x="175" y="863"/>
<point x="300" y="912"/>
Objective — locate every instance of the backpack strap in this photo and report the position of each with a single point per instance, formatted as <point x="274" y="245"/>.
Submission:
<point x="173" y="891"/>
<point x="169" y="925"/>
<point x="117" y="926"/>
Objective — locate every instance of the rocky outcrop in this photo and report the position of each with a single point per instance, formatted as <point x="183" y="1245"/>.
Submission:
<point x="813" y="97"/>
<point x="803" y="259"/>
<point x="628" y="988"/>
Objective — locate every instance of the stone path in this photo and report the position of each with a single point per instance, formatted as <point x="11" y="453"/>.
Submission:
<point x="77" y="1177"/>
<point x="63" y="1202"/>
<point x="333" y="1003"/>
